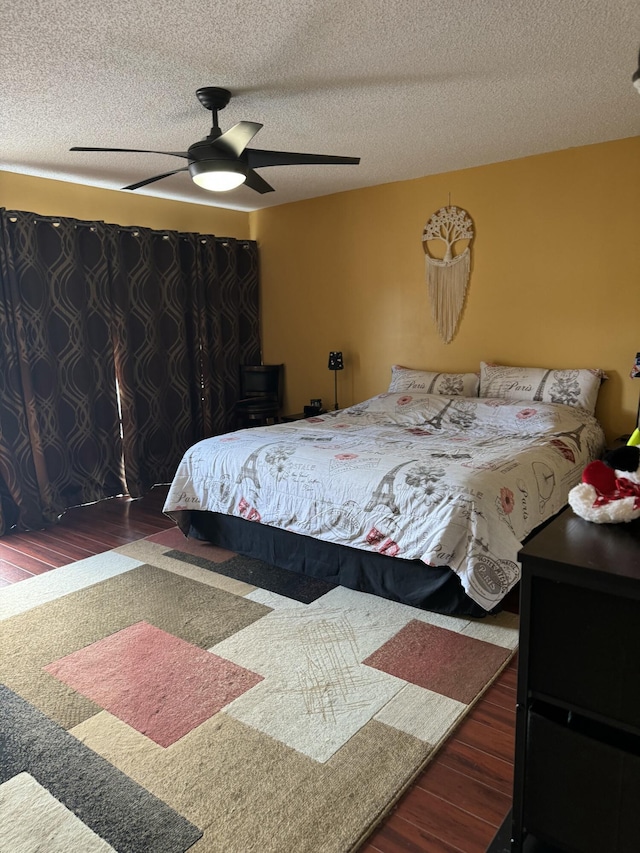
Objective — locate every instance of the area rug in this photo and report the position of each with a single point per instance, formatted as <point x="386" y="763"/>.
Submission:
<point x="170" y="696"/>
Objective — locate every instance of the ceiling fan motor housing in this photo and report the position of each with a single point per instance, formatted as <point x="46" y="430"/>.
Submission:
<point x="205" y="150"/>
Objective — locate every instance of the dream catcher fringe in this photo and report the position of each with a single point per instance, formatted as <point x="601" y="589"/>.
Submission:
<point x="448" y="277"/>
<point x="447" y="283"/>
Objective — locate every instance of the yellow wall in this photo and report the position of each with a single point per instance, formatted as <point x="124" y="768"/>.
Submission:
<point x="555" y="278"/>
<point x="60" y="198"/>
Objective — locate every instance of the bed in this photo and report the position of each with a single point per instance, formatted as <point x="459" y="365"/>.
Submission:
<point x="423" y="494"/>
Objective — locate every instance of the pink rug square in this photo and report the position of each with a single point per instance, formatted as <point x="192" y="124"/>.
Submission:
<point x="155" y="682"/>
<point x="437" y="659"/>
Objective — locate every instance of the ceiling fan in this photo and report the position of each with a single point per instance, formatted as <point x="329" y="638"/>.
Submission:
<point x="222" y="161"/>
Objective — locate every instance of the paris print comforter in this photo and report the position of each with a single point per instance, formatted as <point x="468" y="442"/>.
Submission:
<point x="450" y="481"/>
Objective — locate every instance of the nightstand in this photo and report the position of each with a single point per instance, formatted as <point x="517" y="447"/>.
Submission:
<point x="620" y="441"/>
<point x="300" y="416"/>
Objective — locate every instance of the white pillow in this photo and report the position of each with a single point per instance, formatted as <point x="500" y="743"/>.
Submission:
<point x="574" y="387"/>
<point x="447" y="384"/>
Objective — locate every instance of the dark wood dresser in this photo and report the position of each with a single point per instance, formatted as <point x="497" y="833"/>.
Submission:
<point x="577" y="762"/>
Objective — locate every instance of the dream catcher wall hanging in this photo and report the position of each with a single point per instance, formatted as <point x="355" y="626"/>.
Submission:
<point x="447" y="277"/>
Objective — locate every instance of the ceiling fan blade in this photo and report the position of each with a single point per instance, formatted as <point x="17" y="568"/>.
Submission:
<point x="155" y="178"/>
<point x="257" y="158"/>
<point x="255" y="182"/>
<point x="134" y="151"/>
<point x="236" y="139"/>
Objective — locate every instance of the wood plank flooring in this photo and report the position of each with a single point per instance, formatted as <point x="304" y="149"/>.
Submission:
<point x="458" y="802"/>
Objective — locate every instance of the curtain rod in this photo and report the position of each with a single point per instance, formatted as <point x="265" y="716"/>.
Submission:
<point x="134" y="230"/>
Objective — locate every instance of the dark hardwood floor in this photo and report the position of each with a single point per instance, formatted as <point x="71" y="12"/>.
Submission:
<point x="458" y="802"/>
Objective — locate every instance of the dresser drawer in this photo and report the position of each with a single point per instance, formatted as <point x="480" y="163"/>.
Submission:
<point x="580" y="793"/>
<point x="586" y="650"/>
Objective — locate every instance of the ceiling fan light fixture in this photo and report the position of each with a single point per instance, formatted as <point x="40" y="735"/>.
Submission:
<point x="218" y="175"/>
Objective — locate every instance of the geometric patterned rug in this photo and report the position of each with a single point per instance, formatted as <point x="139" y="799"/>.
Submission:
<point x="170" y="696"/>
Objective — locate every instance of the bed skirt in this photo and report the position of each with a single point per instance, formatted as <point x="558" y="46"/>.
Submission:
<point x="411" y="582"/>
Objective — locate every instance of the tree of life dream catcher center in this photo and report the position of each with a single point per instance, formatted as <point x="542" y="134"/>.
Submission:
<point x="447" y="277"/>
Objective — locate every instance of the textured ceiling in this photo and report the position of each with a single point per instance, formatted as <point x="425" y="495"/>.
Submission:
<point x="413" y="87"/>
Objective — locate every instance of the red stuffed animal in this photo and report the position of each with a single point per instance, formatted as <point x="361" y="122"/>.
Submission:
<point x="610" y="489"/>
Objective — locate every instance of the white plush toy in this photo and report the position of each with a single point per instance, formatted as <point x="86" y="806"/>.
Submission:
<point x="610" y="489"/>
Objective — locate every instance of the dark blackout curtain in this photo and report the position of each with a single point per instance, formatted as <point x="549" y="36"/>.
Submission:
<point x="155" y="316"/>
<point x="88" y="308"/>
<point x="228" y="274"/>
<point x="59" y="434"/>
<point x="186" y="317"/>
